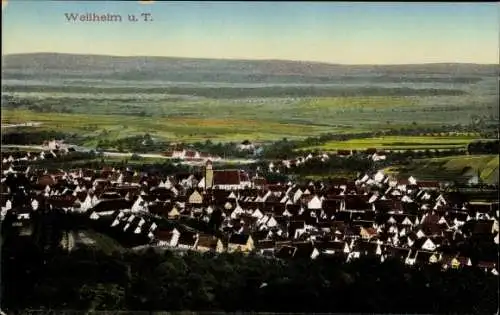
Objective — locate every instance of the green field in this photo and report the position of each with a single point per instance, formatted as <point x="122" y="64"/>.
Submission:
<point x="398" y="143"/>
<point x="231" y="120"/>
<point x="112" y="127"/>
<point x="458" y="168"/>
<point x="108" y="116"/>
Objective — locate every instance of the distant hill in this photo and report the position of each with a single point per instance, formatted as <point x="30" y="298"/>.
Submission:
<point x="37" y="65"/>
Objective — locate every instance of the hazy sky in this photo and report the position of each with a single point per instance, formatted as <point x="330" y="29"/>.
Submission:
<point x="350" y="33"/>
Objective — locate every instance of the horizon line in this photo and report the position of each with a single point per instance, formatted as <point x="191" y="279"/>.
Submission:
<point x="249" y="59"/>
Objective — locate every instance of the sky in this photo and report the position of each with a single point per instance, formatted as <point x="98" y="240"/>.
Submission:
<point x="333" y="32"/>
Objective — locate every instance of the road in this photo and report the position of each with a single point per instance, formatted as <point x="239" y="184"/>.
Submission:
<point x="143" y="155"/>
<point x="27" y="124"/>
<point x="187" y="162"/>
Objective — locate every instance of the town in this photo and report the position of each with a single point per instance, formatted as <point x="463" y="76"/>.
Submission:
<point x="419" y="222"/>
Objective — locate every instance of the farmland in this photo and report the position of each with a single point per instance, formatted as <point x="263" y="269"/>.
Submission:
<point x="235" y="120"/>
<point x="112" y="127"/>
<point x="453" y="168"/>
<point x="399" y="143"/>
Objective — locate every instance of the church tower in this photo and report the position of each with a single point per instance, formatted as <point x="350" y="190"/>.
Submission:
<point x="209" y="175"/>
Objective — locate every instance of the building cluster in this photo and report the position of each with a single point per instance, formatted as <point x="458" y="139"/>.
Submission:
<point x="191" y="155"/>
<point x="14" y="157"/>
<point x="55" y="145"/>
<point x="376" y="215"/>
<point x="279" y="165"/>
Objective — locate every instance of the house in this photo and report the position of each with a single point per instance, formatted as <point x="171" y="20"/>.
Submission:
<point x="195" y="198"/>
<point x="378" y="157"/>
<point x="448" y="261"/>
<point x="46" y="180"/>
<point x="209" y="243"/>
<point x="191" y="155"/>
<point x="368" y="233"/>
<point x="429" y="245"/>
<point x="186" y="154"/>
<point x="423" y="257"/>
<point x="362" y="248"/>
<point x="428" y="185"/>
<point x="230" y="179"/>
<point x="483" y="227"/>
<point x="315" y="203"/>
<point x="187" y="240"/>
<point x="167" y="237"/>
<point x="246" y="146"/>
<point x="174" y="213"/>
<point x="305" y="250"/>
<point x="285" y="252"/>
<point x="488" y="266"/>
<point x="240" y="242"/>
<point x="296" y="229"/>
<point x="334" y="248"/>
<point x="398" y="253"/>
<point x="265" y="247"/>
<point x="54" y="145"/>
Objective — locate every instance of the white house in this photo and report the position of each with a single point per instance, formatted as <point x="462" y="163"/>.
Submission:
<point x="315" y="203"/>
<point x="246" y="146"/>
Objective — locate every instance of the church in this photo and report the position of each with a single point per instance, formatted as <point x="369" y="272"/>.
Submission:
<point x="224" y="179"/>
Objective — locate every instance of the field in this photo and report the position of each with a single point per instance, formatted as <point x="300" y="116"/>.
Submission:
<point x="398" y="143"/>
<point x="112" y="127"/>
<point x="459" y="168"/>
<point x="239" y="119"/>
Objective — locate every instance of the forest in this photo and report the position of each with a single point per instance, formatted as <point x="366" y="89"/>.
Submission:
<point x="91" y="280"/>
<point x="484" y="147"/>
<point x="38" y="274"/>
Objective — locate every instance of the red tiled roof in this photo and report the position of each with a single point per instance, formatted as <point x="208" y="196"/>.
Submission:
<point x="46" y="180"/>
<point x="227" y="177"/>
<point x="428" y="183"/>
